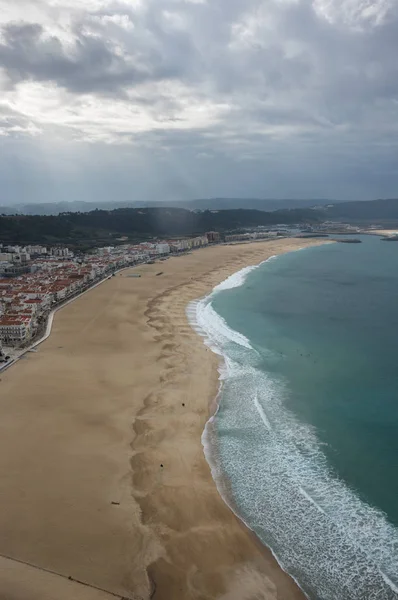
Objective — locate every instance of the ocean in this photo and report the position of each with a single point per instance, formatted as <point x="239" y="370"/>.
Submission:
<point x="304" y="445"/>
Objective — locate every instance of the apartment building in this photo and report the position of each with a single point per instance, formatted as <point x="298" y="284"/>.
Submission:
<point x="15" y="330"/>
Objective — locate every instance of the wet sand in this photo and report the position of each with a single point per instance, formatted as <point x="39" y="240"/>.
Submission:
<point x="122" y="387"/>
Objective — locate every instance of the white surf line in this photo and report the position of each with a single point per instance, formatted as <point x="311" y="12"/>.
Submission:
<point x="192" y="317"/>
<point x="311" y="499"/>
<point x="261" y="412"/>
<point x="51" y="319"/>
<point x="388" y="581"/>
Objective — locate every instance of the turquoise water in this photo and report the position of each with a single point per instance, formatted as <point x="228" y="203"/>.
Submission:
<point x="307" y="428"/>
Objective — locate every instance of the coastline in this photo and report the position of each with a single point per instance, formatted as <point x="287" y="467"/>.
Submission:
<point x="210" y="448"/>
<point x="123" y="376"/>
<point x="223" y="455"/>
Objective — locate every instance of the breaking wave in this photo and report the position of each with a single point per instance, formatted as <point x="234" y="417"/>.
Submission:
<point x="270" y="468"/>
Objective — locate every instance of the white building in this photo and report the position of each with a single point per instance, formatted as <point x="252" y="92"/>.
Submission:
<point x="62" y="252"/>
<point x="14" y="331"/>
<point x="105" y="250"/>
<point x="4" y="266"/>
<point x="20" y="257"/>
<point x="38" y="250"/>
<point x="15" y="257"/>
<point x="199" y="241"/>
<point x="180" y="245"/>
<point x="162" y="248"/>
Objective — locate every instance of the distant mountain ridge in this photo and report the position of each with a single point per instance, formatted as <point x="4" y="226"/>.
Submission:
<point x="268" y="205"/>
<point x="369" y="210"/>
<point x="359" y="210"/>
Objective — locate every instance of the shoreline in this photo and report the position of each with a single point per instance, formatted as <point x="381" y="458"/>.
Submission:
<point x="101" y="429"/>
<point x="285" y="583"/>
<point x="221" y="479"/>
<point x="210" y="450"/>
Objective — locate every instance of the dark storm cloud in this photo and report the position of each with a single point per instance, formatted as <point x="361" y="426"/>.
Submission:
<point x="102" y="57"/>
<point x="93" y="65"/>
<point x="307" y="86"/>
<point x="330" y="63"/>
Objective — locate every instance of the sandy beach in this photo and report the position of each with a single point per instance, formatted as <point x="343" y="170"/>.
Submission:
<point x="385" y="231"/>
<point x="104" y="488"/>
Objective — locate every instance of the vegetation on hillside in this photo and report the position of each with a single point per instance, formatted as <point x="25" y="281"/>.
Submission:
<point x="99" y="226"/>
<point x="367" y="210"/>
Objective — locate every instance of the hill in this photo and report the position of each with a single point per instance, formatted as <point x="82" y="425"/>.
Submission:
<point x="101" y="226"/>
<point x="369" y="210"/>
<point x="55" y="208"/>
<point x="340" y="210"/>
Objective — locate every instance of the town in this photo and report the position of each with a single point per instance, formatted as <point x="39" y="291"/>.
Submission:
<point x="35" y="279"/>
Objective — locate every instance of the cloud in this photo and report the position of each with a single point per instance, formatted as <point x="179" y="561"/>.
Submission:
<point x="249" y="89"/>
<point x="90" y="63"/>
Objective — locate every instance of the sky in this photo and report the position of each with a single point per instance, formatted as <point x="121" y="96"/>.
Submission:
<point x="149" y="100"/>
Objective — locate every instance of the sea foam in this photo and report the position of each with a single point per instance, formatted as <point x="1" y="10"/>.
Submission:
<point x="270" y="468"/>
<point x="204" y="319"/>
